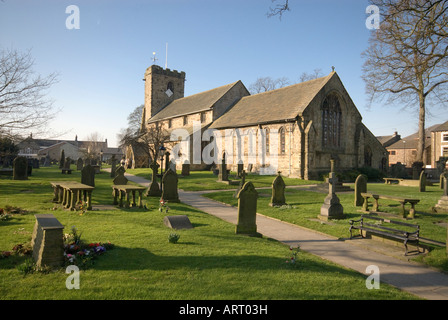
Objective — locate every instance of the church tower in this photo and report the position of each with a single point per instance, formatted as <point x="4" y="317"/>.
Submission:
<point x="162" y="86"/>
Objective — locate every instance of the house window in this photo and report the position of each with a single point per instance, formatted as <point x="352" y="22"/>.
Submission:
<point x="185" y="120"/>
<point x="170" y="123"/>
<point x="445" y="152"/>
<point x="392" y="153"/>
<point x="445" y="137"/>
<point x="281" y="133"/>
<point x="331" y="122"/>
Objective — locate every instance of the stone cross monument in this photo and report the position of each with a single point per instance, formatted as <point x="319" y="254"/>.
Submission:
<point x="332" y="208"/>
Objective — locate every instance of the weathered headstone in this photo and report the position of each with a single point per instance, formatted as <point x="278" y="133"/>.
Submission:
<point x="332" y="208"/>
<point x="177" y="222"/>
<point x="247" y="210"/>
<point x="113" y="167"/>
<point x="47" y="241"/>
<point x="20" y="169"/>
<point x="240" y="168"/>
<point x="88" y="175"/>
<point x="154" y="189"/>
<point x="223" y="175"/>
<point x="62" y="159"/>
<point x="360" y="186"/>
<point x="417" y="168"/>
<point x="442" y="205"/>
<point x="66" y="166"/>
<point x="169" y="186"/>
<point x="186" y="168"/>
<point x="167" y="161"/>
<point x="278" y="192"/>
<point x="422" y="182"/>
<point x="120" y="179"/>
<point x="241" y="184"/>
<point x="79" y="164"/>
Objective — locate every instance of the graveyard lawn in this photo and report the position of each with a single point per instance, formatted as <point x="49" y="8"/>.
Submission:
<point x="206" y="180"/>
<point x="209" y="262"/>
<point x="303" y="207"/>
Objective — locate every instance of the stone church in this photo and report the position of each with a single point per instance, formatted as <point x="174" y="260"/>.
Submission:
<point x="295" y="129"/>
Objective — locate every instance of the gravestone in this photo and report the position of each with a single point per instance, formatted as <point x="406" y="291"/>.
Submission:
<point x="247" y="210"/>
<point x="113" y="167"/>
<point x="88" y="175"/>
<point x="177" y="222"/>
<point x="186" y="168"/>
<point x="120" y="179"/>
<point x="240" y="169"/>
<point x="20" y="169"/>
<point x="47" y="241"/>
<point x="241" y="184"/>
<point x="66" y="165"/>
<point x="278" y="192"/>
<point x="167" y="161"/>
<point x="79" y="164"/>
<point x="360" y="186"/>
<point x="169" y="186"/>
<point x="62" y="159"/>
<point x="332" y="208"/>
<point x="442" y="205"/>
<point x="442" y="181"/>
<point x="223" y="175"/>
<point x="422" y="182"/>
<point x="154" y="189"/>
<point x="417" y="168"/>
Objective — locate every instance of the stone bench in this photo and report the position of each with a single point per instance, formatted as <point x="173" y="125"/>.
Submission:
<point x="408" y="234"/>
<point x="126" y="190"/>
<point x="402" y="201"/>
<point x="69" y="193"/>
<point x="391" y="180"/>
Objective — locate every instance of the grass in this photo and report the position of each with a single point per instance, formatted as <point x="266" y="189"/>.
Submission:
<point x="209" y="262"/>
<point x="206" y="180"/>
<point x="304" y="207"/>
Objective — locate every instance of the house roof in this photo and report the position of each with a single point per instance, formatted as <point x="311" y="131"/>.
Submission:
<point x="272" y="106"/>
<point x="412" y="140"/>
<point x="192" y="104"/>
<point x="441" y="127"/>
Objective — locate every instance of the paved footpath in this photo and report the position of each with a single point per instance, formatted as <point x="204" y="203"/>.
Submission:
<point x="354" y="254"/>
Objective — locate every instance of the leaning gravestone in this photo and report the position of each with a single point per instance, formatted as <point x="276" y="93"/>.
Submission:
<point x="88" y="175"/>
<point x="240" y="168"/>
<point x="442" y="180"/>
<point x="154" y="189"/>
<point x="113" y="167"/>
<point x="79" y="164"/>
<point x="169" y="186"/>
<point x="422" y="182"/>
<point x="360" y="187"/>
<point x="20" y="169"/>
<point x="332" y="208"/>
<point x="247" y="210"/>
<point x="47" y="241"/>
<point x="120" y="179"/>
<point x="177" y="222"/>
<point x="278" y="192"/>
<point x="442" y="205"/>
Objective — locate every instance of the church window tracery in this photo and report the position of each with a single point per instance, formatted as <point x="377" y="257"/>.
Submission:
<point x="331" y="122"/>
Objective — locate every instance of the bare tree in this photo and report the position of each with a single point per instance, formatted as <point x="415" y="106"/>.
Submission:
<point x="406" y="60"/>
<point x="264" y="84"/>
<point x="23" y="103"/>
<point x="317" y="73"/>
<point x="278" y="9"/>
<point x="94" y="146"/>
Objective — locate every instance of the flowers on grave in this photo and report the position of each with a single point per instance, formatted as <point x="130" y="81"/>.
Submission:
<point x="294" y="252"/>
<point x="163" y="205"/>
<point x="81" y="254"/>
<point x="173" y="237"/>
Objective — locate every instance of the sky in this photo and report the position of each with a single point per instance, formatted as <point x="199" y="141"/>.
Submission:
<point x="101" y="64"/>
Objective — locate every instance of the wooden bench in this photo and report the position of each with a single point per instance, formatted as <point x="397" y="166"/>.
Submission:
<point x="375" y="225"/>
<point x="402" y="201"/>
<point x="126" y="190"/>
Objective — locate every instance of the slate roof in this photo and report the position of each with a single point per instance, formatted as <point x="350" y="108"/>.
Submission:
<point x="192" y="104"/>
<point x="412" y="140"/>
<point x="441" y="127"/>
<point x="272" y="106"/>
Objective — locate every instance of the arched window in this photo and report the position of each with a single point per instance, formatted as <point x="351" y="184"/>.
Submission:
<point x="331" y="122"/>
<point x="170" y="86"/>
<point x="267" y="140"/>
<point x="281" y="134"/>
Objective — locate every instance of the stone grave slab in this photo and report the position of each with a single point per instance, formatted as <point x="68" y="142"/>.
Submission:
<point x="177" y="222"/>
